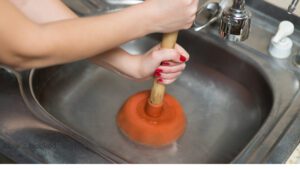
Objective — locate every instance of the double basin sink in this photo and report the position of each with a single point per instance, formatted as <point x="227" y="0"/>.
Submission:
<point x="239" y="102"/>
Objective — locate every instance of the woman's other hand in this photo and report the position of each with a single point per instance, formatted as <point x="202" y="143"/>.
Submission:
<point x="170" y="15"/>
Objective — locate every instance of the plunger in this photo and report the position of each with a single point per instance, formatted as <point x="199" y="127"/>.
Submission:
<point x="153" y="118"/>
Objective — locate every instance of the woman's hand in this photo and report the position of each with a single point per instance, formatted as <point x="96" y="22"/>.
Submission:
<point x="170" y="15"/>
<point x="166" y="65"/>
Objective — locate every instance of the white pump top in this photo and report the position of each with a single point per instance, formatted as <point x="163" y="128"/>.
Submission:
<point x="281" y="45"/>
<point x="285" y="29"/>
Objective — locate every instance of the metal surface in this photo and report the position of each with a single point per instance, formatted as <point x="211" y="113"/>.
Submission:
<point x="26" y="139"/>
<point x="94" y="7"/>
<point x="207" y="15"/>
<point x="293" y="6"/>
<point x="224" y="110"/>
<point x="235" y="22"/>
<point x="242" y="106"/>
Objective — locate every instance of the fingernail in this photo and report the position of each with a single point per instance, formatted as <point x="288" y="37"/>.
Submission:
<point x="165" y="64"/>
<point x="182" y="58"/>
<point x="158" y="70"/>
<point x="157" y="74"/>
<point x="160" y="80"/>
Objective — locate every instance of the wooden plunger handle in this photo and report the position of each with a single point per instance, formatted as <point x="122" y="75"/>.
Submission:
<point x="158" y="89"/>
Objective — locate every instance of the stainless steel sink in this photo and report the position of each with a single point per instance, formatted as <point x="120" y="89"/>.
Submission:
<point x="241" y="104"/>
<point x="226" y="100"/>
<point x="227" y="96"/>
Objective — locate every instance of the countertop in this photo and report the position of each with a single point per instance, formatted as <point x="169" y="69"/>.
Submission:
<point x="284" y="5"/>
<point x="295" y="157"/>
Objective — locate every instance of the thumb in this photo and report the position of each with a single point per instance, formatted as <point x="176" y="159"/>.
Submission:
<point x="178" y="55"/>
<point x="182" y="52"/>
<point x="168" y="55"/>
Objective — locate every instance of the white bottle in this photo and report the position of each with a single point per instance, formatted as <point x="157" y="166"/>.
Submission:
<point x="280" y="45"/>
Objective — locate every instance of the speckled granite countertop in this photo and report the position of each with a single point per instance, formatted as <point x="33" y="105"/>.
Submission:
<point x="295" y="157"/>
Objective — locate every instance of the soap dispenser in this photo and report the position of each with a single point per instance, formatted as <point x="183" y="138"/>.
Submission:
<point x="281" y="45"/>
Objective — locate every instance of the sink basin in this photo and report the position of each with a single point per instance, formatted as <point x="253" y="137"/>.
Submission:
<point x="225" y="97"/>
<point x="93" y="7"/>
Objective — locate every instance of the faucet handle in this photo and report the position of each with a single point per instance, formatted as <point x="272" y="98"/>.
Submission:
<point x="209" y="12"/>
<point x="286" y="28"/>
<point x="292" y="6"/>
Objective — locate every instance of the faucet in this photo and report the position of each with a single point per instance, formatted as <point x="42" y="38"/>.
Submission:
<point x="292" y="6"/>
<point x="235" y="22"/>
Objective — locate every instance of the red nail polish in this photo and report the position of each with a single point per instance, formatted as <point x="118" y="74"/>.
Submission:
<point x="182" y="58"/>
<point x="157" y="74"/>
<point x="160" y="80"/>
<point x="158" y="70"/>
<point x="165" y="64"/>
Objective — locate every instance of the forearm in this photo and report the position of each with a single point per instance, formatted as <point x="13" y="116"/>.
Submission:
<point x="119" y="61"/>
<point x="56" y="10"/>
<point x="82" y="38"/>
<point x="44" y="11"/>
<point x="69" y="40"/>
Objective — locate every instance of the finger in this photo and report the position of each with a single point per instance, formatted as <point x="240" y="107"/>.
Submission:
<point x="169" y="63"/>
<point x="190" y="21"/>
<point x="166" y="81"/>
<point x="182" y="51"/>
<point x="170" y="55"/>
<point x="166" y="55"/>
<point x="168" y="76"/>
<point x="195" y="6"/>
<point x="171" y="69"/>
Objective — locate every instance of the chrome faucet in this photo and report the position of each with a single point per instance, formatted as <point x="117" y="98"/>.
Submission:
<point x="235" y="22"/>
<point x="292" y="6"/>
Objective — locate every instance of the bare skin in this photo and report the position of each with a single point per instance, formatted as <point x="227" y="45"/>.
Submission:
<point x="44" y="39"/>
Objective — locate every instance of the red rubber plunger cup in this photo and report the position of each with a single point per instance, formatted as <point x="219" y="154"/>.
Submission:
<point x="153" y="118"/>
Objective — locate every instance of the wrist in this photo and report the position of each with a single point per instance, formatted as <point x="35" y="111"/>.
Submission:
<point x="145" y="19"/>
<point x="138" y="69"/>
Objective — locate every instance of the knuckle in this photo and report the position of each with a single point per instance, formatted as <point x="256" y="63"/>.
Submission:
<point x="188" y="26"/>
<point x="157" y="55"/>
<point x="172" y="69"/>
<point x="192" y="12"/>
<point x="172" y="52"/>
<point x="195" y="7"/>
<point x="188" y="2"/>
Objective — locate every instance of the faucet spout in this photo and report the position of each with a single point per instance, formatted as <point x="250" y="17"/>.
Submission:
<point x="235" y="22"/>
<point x="238" y="4"/>
<point x="293" y="6"/>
